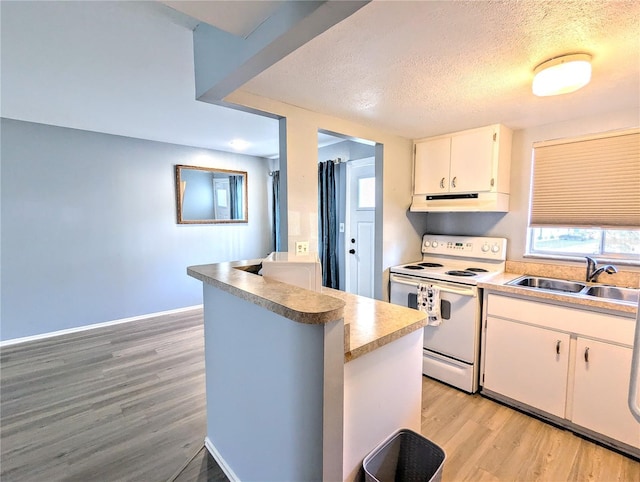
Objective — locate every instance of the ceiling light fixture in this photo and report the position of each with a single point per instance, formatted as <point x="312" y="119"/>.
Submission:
<point x="562" y="75"/>
<point x="239" y="144"/>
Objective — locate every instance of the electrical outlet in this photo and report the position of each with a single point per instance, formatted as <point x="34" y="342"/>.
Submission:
<point x="302" y="247"/>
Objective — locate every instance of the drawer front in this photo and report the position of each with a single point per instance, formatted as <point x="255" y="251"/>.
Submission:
<point x="602" y="326"/>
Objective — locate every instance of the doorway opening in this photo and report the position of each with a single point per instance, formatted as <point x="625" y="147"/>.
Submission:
<point x="358" y="240"/>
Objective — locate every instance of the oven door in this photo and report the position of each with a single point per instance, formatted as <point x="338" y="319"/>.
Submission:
<point x="457" y="335"/>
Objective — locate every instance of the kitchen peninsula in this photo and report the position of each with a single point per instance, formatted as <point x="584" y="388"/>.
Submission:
<point x="301" y="385"/>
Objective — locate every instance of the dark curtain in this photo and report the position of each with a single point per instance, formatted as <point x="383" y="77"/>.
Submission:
<point x="327" y="224"/>
<point x="341" y="174"/>
<point x="235" y="196"/>
<point x="275" y="208"/>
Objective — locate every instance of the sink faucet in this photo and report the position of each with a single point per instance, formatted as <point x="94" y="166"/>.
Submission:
<point x="593" y="271"/>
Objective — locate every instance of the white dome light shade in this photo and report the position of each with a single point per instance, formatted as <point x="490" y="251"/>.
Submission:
<point x="562" y="75"/>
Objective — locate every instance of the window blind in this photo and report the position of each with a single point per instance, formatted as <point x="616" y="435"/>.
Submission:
<point x="587" y="182"/>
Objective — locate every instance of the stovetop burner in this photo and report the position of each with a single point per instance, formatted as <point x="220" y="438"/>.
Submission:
<point x="462" y="260"/>
<point x="456" y="272"/>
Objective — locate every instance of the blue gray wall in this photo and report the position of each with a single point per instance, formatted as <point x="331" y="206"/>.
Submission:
<point x="266" y="414"/>
<point x="89" y="230"/>
<point x="198" y="199"/>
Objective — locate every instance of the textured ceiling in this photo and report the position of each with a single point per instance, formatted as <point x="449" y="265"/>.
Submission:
<point x="413" y="68"/>
<point x="430" y="67"/>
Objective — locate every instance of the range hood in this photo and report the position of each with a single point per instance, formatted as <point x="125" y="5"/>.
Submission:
<point x="468" y="202"/>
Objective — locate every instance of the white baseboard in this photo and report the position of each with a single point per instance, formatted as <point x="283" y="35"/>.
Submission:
<point x="221" y="462"/>
<point x="51" y="334"/>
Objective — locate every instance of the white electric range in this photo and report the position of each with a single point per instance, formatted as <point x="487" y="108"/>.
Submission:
<point x="453" y="265"/>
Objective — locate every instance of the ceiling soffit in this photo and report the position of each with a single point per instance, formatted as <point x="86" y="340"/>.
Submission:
<point x="224" y="62"/>
<point x="237" y="18"/>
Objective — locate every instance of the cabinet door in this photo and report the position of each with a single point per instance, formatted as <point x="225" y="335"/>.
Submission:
<point x="432" y="166"/>
<point x="601" y="389"/>
<point x="527" y="363"/>
<point x="472" y="156"/>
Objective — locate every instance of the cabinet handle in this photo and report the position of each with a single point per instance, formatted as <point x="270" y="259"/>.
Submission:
<point x="453" y="182"/>
<point x="442" y="183"/>
<point x="558" y="347"/>
<point x="586" y="354"/>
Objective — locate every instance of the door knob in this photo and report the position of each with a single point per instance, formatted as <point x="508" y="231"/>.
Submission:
<point x="352" y="251"/>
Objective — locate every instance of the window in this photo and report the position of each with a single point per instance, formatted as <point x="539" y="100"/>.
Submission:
<point x="566" y="241"/>
<point x="585" y="197"/>
<point x="366" y="193"/>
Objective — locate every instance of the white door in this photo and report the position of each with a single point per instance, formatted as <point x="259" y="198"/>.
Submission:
<point x="601" y="389"/>
<point x="527" y="363"/>
<point x="360" y="235"/>
<point x="221" y="199"/>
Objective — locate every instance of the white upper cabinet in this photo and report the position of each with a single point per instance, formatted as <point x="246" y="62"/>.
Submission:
<point x="432" y="165"/>
<point x="472" y="161"/>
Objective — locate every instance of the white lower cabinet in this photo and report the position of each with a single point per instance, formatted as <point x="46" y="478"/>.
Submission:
<point x="600" y="391"/>
<point x="567" y="362"/>
<point x="534" y="372"/>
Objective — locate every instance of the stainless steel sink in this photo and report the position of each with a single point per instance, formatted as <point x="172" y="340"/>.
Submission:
<point x="614" y="293"/>
<point x="549" y="284"/>
<point x="626" y="295"/>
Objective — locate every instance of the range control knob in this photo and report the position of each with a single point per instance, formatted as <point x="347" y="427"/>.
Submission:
<point x="434" y="244"/>
<point x="427" y="244"/>
<point x="485" y="247"/>
<point x="495" y="248"/>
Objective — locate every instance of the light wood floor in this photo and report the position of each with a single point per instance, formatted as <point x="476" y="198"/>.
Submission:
<point x="127" y="403"/>
<point x="487" y="441"/>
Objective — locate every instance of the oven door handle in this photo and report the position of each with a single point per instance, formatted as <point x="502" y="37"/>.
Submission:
<point x="447" y="289"/>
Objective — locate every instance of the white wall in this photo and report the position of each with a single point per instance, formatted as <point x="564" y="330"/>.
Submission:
<point x="118" y="67"/>
<point x="401" y="230"/>
<point x="513" y="225"/>
<point x="89" y="231"/>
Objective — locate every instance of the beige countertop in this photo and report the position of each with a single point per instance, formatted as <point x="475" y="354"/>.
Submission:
<point x="369" y="323"/>
<point x="374" y="323"/>
<point x="497" y="284"/>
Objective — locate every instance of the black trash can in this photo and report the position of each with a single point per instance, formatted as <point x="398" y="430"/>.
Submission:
<point x="405" y="457"/>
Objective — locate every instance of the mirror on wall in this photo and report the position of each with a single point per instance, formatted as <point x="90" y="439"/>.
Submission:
<point x="206" y="195"/>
